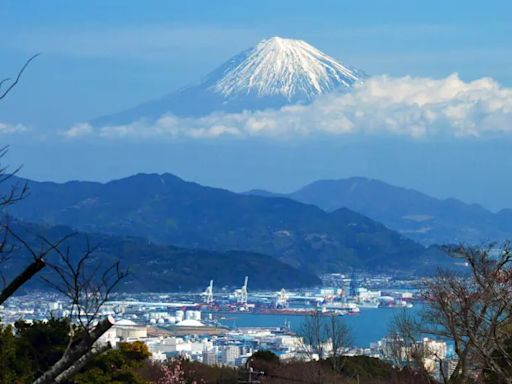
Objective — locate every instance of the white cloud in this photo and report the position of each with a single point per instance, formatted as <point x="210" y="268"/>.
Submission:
<point x="408" y="106"/>
<point x="80" y="129"/>
<point x="6" y="128"/>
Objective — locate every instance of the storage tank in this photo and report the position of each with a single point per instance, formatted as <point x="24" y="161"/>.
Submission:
<point x="196" y="315"/>
<point x="189" y="315"/>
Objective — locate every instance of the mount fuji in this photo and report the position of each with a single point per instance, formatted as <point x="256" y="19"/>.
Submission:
<point x="274" y="73"/>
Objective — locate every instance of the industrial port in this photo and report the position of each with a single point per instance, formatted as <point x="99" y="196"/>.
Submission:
<point x="347" y="297"/>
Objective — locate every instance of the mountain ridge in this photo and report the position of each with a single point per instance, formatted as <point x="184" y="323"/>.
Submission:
<point x="158" y="268"/>
<point x="168" y="210"/>
<point x="419" y="216"/>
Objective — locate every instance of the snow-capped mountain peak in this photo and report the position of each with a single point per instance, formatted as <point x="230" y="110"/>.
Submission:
<point x="274" y="73"/>
<point x="282" y="67"/>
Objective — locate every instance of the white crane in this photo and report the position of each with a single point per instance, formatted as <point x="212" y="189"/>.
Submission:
<point x="208" y="293"/>
<point x="241" y="294"/>
<point x="282" y="299"/>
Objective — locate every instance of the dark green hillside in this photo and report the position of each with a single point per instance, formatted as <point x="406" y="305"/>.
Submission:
<point x="165" y="268"/>
<point x="168" y="210"/>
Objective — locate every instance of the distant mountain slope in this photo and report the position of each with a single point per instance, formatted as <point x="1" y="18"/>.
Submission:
<point x="159" y="268"/>
<point x="168" y="210"/>
<point x="420" y="217"/>
<point x="274" y="73"/>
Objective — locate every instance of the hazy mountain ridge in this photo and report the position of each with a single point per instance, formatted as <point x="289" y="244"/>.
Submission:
<point x="421" y="217"/>
<point x="167" y="210"/>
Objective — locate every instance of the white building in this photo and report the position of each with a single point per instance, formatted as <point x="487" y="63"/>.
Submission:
<point x="127" y="329"/>
<point x="189" y="323"/>
<point x="210" y="357"/>
<point x="179" y="346"/>
<point x="158" y="356"/>
<point x="364" y="294"/>
<point x="229" y="354"/>
<point x="110" y="336"/>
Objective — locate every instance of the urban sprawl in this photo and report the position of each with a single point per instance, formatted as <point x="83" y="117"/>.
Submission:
<point x="193" y="325"/>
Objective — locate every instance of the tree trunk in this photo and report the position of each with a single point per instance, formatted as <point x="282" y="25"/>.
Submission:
<point x="21" y="279"/>
<point x="81" y="362"/>
<point x="77" y="350"/>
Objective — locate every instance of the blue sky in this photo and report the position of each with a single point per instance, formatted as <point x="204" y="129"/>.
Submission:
<point x="100" y="57"/>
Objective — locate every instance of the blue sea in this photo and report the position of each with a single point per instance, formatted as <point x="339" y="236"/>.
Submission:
<point x="369" y="325"/>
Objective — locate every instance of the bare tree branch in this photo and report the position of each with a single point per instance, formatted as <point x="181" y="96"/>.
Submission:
<point x="474" y="311"/>
<point x="18" y="77"/>
<point x="86" y="289"/>
<point x="29" y="272"/>
<point x="32" y="269"/>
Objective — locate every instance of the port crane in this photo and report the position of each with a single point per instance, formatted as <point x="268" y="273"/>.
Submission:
<point x="208" y="293"/>
<point x="282" y="299"/>
<point x="241" y="294"/>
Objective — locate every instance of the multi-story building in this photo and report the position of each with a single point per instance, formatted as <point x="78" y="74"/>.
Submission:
<point x="210" y="357"/>
<point x="229" y="354"/>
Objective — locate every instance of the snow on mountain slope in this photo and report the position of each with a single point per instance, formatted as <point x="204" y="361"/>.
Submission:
<point x="274" y="73"/>
<point x="285" y="67"/>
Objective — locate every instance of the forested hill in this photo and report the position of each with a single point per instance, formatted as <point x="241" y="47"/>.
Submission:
<point x="158" y="268"/>
<point x="165" y="209"/>
<point x="420" y="217"/>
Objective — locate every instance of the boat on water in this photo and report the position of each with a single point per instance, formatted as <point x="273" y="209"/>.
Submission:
<point x="369" y="304"/>
<point x="348" y="308"/>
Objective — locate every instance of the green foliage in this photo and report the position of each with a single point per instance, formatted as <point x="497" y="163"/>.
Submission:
<point x="134" y="352"/>
<point x="156" y="267"/>
<point x="367" y="367"/>
<point x="42" y="343"/>
<point x="201" y="373"/>
<point x="265" y="355"/>
<point x="353" y="369"/>
<point x="116" y="366"/>
<point x="9" y="364"/>
<point x="27" y="350"/>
